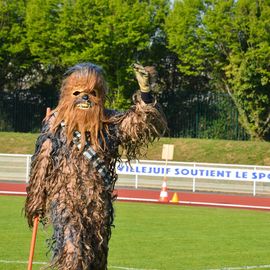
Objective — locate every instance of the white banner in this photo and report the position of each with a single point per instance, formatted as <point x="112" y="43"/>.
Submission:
<point x="200" y="172"/>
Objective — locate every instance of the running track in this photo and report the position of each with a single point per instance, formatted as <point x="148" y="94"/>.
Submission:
<point x="185" y="198"/>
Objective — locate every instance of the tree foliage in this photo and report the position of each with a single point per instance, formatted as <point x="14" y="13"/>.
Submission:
<point x="15" y="58"/>
<point x="197" y="46"/>
<point x="111" y="33"/>
<point x="228" y="43"/>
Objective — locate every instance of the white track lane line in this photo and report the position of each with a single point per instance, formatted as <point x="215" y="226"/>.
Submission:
<point x="199" y="203"/>
<point x="244" y="267"/>
<point x="180" y="202"/>
<point x="20" y="262"/>
<point x="44" y="263"/>
<point x="125" y="268"/>
<point x="13" y="192"/>
<point x="128" y="268"/>
<point x="136" y="199"/>
<point x="227" y="205"/>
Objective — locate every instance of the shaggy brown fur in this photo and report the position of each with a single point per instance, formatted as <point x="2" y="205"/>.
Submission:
<point x="68" y="189"/>
<point x="74" y="87"/>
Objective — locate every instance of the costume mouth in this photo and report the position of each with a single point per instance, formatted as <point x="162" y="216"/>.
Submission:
<point x="84" y="105"/>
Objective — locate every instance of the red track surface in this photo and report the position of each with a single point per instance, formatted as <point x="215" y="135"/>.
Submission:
<point x="185" y="198"/>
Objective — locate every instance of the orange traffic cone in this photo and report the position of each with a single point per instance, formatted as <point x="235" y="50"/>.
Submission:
<point x="174" y="198"/>
<point x="163" y="197"/>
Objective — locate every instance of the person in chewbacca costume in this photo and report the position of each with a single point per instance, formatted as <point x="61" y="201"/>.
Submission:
<point x="73" y="168"/>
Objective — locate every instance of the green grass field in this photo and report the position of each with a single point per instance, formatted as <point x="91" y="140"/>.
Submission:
<point x="154" y="236"/>
<point x="187" y="150"/>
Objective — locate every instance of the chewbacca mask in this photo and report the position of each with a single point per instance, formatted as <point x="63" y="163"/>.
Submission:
<point x="73" y="169"/>
<point x="81" y="105"/>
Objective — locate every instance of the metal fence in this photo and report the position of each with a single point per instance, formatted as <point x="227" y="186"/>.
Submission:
<point x="185" y="176"/>
<point x="208" y="115"/>
<point x="15" y="167"/>
<point x="24" y="110"/>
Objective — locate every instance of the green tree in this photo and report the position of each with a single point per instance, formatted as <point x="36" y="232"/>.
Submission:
<point x="227" y="42"/>
<point x="112" y="34"/>
<point x="15" y="59"/>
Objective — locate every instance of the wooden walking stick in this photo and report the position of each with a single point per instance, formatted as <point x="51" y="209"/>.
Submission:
<point x="35" y="228"/>
<point x="33" y="243"/>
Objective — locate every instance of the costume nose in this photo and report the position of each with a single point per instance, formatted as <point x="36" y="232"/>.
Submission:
<point x="85" y="97"/>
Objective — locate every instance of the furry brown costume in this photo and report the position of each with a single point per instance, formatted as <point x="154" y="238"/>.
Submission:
<point x="73" y="168"/>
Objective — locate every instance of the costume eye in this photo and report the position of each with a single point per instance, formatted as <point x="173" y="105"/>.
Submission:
<point x="76" y="93"/>
<point x="93" y="93"/>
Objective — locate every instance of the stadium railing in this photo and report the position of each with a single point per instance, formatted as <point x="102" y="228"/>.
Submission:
<point x="149" y="174"/>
